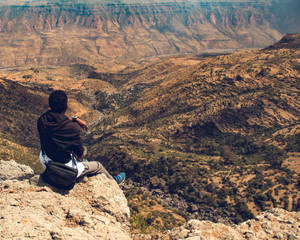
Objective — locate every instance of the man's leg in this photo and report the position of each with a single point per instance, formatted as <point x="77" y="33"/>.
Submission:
<point x="93" y="168"/>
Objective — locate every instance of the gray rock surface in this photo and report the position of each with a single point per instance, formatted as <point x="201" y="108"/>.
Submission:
<point x="13" y="170"/>
<point x="95" y="208"/>
<point x="273" y="224"/>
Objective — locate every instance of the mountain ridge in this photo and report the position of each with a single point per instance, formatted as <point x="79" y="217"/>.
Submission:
<point x="120" y="34"/>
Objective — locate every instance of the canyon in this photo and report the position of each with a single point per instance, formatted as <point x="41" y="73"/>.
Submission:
<point x="198" y="101"/>
<point x="113" y="35"/>
<point x="205" y="137"/>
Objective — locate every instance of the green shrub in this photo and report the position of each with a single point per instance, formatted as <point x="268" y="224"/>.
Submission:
<point x="297" y="208"/>
<point x="282" y="180"/>
<point x="244" y="211"/>
<point x="28" y="76"/>
<point x="260" y="200"/>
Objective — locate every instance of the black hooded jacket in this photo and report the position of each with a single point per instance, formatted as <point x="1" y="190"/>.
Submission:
<point x="59" y="136"/>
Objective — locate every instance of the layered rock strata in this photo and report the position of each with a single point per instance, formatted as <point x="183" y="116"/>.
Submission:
<point x="117" y="33"/>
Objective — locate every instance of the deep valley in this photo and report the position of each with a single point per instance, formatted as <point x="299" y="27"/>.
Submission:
<point x="198" y="102"/>
<point x="199" y="137"/>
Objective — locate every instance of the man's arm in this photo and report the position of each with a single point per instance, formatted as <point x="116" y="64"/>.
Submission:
<point x="81" y="123"/>
<point x="79" y="150"/>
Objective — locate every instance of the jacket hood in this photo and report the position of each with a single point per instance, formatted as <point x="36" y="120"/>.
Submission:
<point x="51" y="121"/>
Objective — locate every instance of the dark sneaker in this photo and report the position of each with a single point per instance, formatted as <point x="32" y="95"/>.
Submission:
<point x="120" y="178"/>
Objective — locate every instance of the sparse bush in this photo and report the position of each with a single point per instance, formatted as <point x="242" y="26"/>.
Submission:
<point x="228" y="155"/>
<point x="28" y="76"/>
<point x="274" y="156"/>
<point x="260" y="200"/>
<point x="286" y="203"/>
<point x="297" y="208"/>
<point x="35" y="70"/>
<point x="139" y="222"/>
<point x="293" y="143"/>
<point x="237" y="218"/>
<point x="274" y="202"/>
<point x="283" y="180"/>
<point x="244" y="211"/>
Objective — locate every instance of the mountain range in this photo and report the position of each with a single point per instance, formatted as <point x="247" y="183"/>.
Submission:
<point x="119" y="33"/>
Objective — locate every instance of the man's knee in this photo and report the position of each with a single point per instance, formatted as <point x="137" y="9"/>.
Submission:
<point x="94" y="167"/>
<point x="91" y="166"/>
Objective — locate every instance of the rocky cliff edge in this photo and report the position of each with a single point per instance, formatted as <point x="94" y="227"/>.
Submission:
<point x="273" y="224"/>
<point x="95" y="208"/>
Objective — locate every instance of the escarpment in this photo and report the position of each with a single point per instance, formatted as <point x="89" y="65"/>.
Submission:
<point x="121" y="32"/>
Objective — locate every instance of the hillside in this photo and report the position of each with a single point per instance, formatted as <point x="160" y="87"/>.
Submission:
<point x="19" y="111"/>
<point x="21" y="105"/>
<point x="213" y="137"/>
<point x="206" y="137"/>
<point x="289" y="41"/>
<point x="115" y="34"/>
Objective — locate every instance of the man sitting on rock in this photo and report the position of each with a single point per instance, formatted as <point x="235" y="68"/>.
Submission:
<point x="60" y="139"/>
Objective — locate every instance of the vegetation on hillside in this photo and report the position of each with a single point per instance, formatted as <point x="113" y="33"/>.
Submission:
<point x="206" y="137"/>
<point x="214" y="136"/>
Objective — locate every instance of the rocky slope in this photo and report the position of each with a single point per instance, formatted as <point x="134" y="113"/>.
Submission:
<point x="94" y="209"/>
<point x="289" y="41"/>
<point x="97" y="209"/>
<point x="66" y="32"/>
<point x="273" y="224"/>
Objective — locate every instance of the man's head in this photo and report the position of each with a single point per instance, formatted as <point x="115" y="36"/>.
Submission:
<point x="58" y="101"/>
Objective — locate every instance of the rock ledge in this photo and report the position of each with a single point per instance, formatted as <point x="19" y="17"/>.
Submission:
<point x="93" y="209"/>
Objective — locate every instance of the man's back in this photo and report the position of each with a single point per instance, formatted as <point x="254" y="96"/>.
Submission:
<point x="59" y="136"/>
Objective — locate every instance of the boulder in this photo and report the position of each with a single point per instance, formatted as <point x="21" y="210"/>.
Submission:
<point x="94" y="209"/>
<point x="13" y="170"/>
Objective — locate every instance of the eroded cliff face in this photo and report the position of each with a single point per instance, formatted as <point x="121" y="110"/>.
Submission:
<point x="119" y="33"/>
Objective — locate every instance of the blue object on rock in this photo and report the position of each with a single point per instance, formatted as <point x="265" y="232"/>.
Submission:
<point x="120" y="178"/>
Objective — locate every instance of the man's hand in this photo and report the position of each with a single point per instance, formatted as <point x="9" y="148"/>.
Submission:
<point x="82" y="124"/>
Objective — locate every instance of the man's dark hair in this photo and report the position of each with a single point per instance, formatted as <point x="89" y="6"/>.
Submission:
<point x="58" y="101"/>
